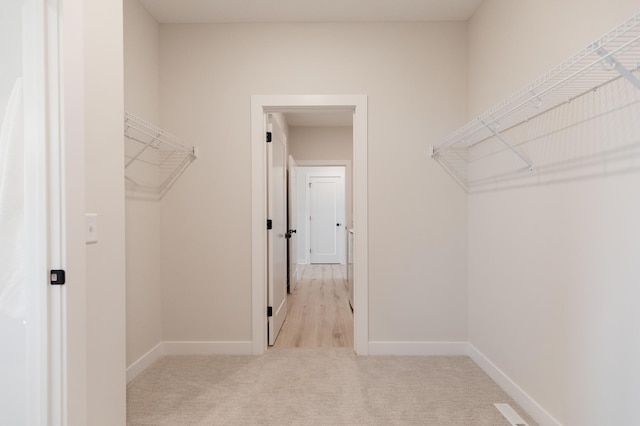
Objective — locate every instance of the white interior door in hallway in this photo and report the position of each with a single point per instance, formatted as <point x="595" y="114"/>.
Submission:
<point x="321" y="218"/>
<point x="276" y="236"/>
<point x="326" y="222"/>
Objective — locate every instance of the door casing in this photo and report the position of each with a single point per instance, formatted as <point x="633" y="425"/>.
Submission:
<point x="261" y="104"/>
<point x="292" y="224"/>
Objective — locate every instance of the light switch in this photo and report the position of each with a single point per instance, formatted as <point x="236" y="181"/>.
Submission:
<point x="91" y="228"/>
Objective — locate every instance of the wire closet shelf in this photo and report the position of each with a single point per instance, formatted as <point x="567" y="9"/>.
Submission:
<point x="154" y="159"/>
<point x="584" y="111"/>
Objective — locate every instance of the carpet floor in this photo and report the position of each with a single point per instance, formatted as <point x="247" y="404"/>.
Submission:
<point x="315" y="387"/>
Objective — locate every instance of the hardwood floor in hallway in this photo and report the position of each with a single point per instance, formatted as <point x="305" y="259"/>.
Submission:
<point x="319" y="315"/>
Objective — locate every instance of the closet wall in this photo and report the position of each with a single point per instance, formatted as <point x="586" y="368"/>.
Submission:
<point x="321" y="143"/>
<point x="142" y="221"/>
<point x="553" y="271"/>
<point x="104" y="195"/>
<point x="417" y="288"/>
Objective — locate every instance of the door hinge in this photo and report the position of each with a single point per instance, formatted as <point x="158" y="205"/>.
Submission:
<point x="309" y="250"/>
<point x="268" y="137"/>
<point x="269" y="311"/>
<point x="57" y="277"/>
<point x="269" y="224"/>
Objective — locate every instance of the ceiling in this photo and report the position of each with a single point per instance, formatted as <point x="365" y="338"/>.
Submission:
<point x="227" y="11"/>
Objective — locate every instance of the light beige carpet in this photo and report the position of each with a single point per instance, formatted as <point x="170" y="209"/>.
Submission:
<point x="315" y="387"/>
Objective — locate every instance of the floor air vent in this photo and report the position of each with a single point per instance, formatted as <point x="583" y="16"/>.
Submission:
<point x="510" y="414"/>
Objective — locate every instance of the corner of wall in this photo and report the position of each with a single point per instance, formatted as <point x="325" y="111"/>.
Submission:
<point x="527" y="403"/>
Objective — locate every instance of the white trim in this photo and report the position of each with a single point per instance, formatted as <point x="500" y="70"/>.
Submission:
<point x="525" y="401"/>
<point x="418" y="348"/>
<point x="74" y="398"/>
<point x="207" y="348"/>
<point x="56" y="213"/>
<point x="324" y="163"/>
<point x="259" y="106"/>
<point x="144" y="362"/>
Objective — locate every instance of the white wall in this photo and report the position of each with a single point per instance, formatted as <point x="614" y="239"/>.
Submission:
<point x="142" y="221"/>
<point x="552" y="280"/>
<point x="208" y="73"/>
<point x="105" y="261"/>
<point x="321" y="143"/>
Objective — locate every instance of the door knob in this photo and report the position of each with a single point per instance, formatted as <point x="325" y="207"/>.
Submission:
<point x="338" y="224"/>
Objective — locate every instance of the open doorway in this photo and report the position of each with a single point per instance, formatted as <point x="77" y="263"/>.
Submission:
<point x="319" y="303"/>
<point x="357" y="104"/>
<point x="317" y="312"/>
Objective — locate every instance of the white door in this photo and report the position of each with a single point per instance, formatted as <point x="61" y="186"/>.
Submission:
<point x="276" y="236"/>
<point x="326" y="219"/>
<point x="29" y="195"/>
<point x="292" y="232"/>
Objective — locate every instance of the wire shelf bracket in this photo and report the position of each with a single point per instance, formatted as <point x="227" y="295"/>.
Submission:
<point x="154" y="158"/>
<point x="593" y="96"/>
<point x="606" y="56"/>
<point x="516" y="151"/>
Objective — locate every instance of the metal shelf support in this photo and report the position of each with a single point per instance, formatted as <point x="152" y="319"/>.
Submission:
<point x="610" y="60"/>
<point x="509" y="145"/>
<point x="154" y="158"/>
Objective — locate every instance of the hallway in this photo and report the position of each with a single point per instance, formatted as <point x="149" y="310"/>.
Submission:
<point x="319" y="313"/>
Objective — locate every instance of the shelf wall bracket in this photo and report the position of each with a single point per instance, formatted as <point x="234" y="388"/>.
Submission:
<point x="151" y="144"/>
<point x="509" y="145"/>
<point x="536" y="102"/>
<point x="610" y="60"/>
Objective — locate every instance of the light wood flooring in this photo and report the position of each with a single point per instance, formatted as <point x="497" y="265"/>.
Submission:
<point x="319" y="315"/>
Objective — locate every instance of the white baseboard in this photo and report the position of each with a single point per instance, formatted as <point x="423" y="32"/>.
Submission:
<point x="527" y="403"/>
<point x="186" y="348"/>
<point x="144" y="362"/>
<point x="208" y="348"/>
<point x="418" y="348"/>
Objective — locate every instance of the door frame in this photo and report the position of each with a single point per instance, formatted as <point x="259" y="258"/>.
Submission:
<point x="260" y="105"/>
<point x="73" y="312"/>
<point x="292" y="212"/>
